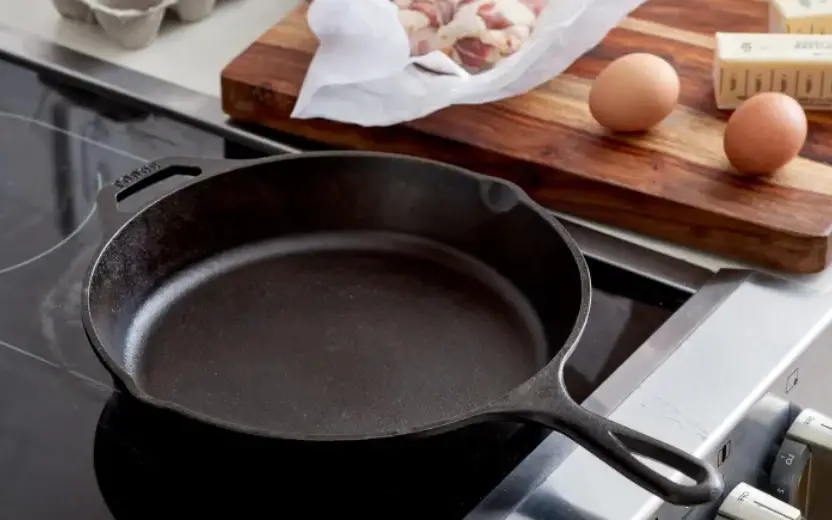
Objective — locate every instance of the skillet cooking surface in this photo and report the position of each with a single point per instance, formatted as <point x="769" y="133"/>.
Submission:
<point x="335" y="334"/>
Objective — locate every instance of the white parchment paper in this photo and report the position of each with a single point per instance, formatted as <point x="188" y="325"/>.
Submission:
<point x="362" y="72"/>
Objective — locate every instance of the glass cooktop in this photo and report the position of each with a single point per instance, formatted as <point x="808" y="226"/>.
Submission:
<point x="71" y="446"/>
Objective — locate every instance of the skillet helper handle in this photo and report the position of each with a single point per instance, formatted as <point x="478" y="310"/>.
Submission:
<point x="185" y="169"/>
<point x="617" y="446"/>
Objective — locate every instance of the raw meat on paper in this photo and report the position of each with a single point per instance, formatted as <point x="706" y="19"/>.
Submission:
<point x="476" y="34"/>
<point x="383" y="62"/>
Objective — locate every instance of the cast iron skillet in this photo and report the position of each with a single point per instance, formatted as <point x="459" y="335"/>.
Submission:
<point x="352" y="299"/>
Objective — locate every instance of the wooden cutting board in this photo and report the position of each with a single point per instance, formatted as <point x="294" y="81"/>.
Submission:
<point x="673" y="183"/>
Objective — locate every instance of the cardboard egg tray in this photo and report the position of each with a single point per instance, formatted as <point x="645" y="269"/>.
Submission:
<point x="133" y="24"/>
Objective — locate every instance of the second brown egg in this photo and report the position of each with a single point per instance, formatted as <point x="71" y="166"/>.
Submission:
<point x="765" y="133"/>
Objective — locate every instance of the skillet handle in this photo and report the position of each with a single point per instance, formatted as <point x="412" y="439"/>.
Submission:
<point x="617" y="446"/>
<point x="185" y="169"/>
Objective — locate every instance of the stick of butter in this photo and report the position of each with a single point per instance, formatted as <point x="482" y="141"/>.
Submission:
<point x="799" y="65"/>
<point x="800" y="16"/>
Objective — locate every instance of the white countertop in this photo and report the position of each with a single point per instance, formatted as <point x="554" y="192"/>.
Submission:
<point x="193" y="55"/>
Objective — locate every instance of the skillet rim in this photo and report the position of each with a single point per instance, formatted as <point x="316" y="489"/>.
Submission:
<point x="486" y="412"/>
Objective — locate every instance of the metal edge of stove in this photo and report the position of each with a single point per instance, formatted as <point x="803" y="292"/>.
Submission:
<point x="646" y="393"/>
<point x="527" y="481"/>
<point x="636" y="259"/>
<point x="199" y="109"/>
<point x="712" y="373"/>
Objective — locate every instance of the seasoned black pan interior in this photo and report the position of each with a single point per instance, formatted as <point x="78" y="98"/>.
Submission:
<point x="343" y="333"/>
<point x="348" y="297"/>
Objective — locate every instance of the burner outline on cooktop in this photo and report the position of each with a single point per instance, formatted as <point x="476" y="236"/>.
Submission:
<point x="99" y="181"/>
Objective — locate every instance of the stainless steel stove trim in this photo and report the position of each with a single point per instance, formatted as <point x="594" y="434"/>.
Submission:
<point x="693" y="399"/>
<point x="634" y="258"/>
<point x="196" y="108"/>
<point x="552" y="457"/>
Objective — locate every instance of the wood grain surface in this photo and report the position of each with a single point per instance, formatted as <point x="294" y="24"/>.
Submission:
<point x="672" y="183"/>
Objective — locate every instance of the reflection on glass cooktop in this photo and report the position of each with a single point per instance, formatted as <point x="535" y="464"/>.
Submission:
<point x="72" y="446"/>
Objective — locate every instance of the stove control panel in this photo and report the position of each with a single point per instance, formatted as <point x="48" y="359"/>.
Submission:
<point x="777" y="465"/>
<point x="801" y="471"/>
<point x="789" y="475"/>
<point x="796" y="487"/>
<point x="813" y="429"/>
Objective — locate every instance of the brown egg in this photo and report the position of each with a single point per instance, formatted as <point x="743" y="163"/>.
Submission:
<point x="765" y="133"/>
<point x="634" y="93"/>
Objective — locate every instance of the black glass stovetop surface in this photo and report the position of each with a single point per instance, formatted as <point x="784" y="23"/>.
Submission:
<point x="73" y="447"/>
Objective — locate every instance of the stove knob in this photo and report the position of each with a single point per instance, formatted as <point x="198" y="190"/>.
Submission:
<point x="748" y="503"/>
<point x="813" y="429"/>
<point x="789" y="476"/>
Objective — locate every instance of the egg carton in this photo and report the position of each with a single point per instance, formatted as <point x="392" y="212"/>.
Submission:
<point x="132" y="24"/>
